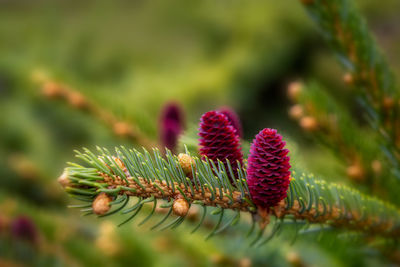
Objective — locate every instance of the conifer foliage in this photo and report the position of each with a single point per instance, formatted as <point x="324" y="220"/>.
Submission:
<point x="263" y="188"/>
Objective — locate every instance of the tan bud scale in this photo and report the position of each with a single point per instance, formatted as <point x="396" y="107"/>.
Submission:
<point x="180" y="207"/>
<point x="101" y="204"/>
<point x="63" y="180"/>
<point x="186" y="163"/>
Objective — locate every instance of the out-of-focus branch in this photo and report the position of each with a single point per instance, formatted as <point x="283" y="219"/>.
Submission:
<point x="368" y="71"/>
<point x="57" y="91"/>
<point x="318" y="114"/>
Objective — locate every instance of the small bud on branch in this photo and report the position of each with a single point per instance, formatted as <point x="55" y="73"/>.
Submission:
<point x="186" y="163"/>
<point x="101" y="204"/>
<point x="180" y="207"/>
<point x="63" y="180"/>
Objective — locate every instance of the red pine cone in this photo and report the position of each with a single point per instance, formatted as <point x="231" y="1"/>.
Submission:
<point x="268" y="174"/>
<point x="233" y="119"/>
<point x="219" y="139"/>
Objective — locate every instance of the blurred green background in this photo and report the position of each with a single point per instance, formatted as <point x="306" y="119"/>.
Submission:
<point x="130" y="58"/>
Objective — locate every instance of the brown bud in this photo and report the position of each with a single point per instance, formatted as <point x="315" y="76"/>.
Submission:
<point x="348" y="78"/>
<point x="356" y="172"/>
<point x="119" y="162"/>
<point x="77" y="100"/>
<point x="101" y="204"/>
<point x="296" y="112"/>
<point x="63" y="180"/>
<point x="180" y="207"/>
<point x="121" y="165"/>
<point x="308" y="123"/>
<point x="122" y="129"/>
<point x="52" y="90"/>
<point x="186" y="163"/>
<point x="294" y="90"/>
<point x="376" y="166"/>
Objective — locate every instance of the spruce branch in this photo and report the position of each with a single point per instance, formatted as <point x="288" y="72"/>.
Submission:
<point x="58" y="91"/>
<point x="150" y="177"/>
<point x="347" y="32"/>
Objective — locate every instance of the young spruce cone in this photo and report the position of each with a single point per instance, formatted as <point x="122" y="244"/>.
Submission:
<point x="268" y="174"/>
<point x="219" y="139"/>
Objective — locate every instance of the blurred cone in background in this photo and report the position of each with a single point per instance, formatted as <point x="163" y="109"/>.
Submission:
<point x="171" y="125"/>
<point x="233" y="118"/>
<point x="23" y="228"/>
